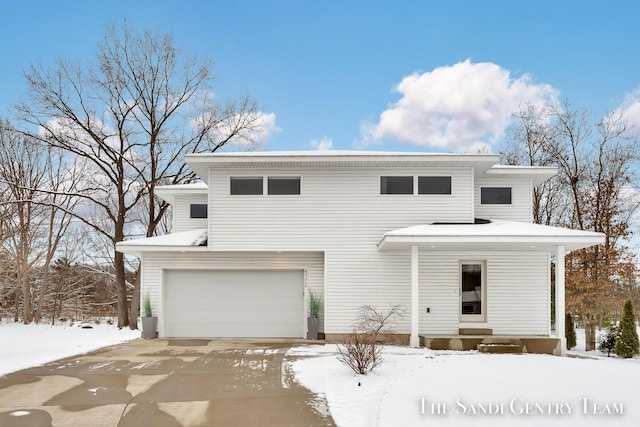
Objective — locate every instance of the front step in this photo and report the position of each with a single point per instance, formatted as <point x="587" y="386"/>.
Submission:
<point x="475" y="331"/>
<point x="498" y="348"/>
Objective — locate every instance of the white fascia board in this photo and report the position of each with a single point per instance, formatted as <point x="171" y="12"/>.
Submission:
<point x="168" y="193"/>
<point x="573" y="242"/>
<point x="538" y="174"/>
<point x="138" y="250"/>
<point x="491" y="239"/>
<point x="333" y="155"/>
<point x="199" y="162"/>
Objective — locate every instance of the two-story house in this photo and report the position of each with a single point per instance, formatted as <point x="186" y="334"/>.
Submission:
<point x="448" y="237"/>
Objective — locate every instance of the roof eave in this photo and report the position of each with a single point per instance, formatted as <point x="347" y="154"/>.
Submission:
<point x="139" y="249"/>
<point x="570" y="242"/>
<point x="538" y="174"/>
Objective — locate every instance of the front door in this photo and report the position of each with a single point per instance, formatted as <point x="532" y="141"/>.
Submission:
<point x="472" y="291"/>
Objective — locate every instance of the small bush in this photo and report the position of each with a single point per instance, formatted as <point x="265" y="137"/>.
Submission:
<point x="361" y="350"/>
<point x="359" y="353"/>
<point x="627" y="344"/>
<point x="569" y="331"/>
<point x="608" y="343"/>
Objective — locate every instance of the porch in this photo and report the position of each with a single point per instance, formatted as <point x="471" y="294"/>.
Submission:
<point x="494" y="343"/>
<point x="486" y="237"/>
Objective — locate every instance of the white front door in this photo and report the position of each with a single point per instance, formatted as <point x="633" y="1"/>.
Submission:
<point x="472" y="291"/>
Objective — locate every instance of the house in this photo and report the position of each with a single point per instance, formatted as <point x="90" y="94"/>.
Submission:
<point x="448" y="237"/>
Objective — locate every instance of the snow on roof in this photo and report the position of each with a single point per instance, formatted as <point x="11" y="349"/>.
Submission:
<point x="191" y="186"/>
<point x="174" y="241"/>
<point x="495" y="234"/>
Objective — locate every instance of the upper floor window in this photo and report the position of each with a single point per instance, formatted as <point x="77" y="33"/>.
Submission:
<point x="434" y="185"/>
<point x="246" y="186"/>
<point x="283" y="185"/>
<point x="396" y="185"/>
<point x="495" y="195"/>
<point x="198" y="210"/>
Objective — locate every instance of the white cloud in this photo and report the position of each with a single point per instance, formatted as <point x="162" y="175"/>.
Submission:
<point x="259" y="127"/>
<point x="265" y="127"/>
<point x="630" y="109"/>
<point x="456" y="107"/>
<point x="322" y="144"/>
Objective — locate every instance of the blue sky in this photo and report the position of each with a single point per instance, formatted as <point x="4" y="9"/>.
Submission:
<point x="380" y="75"/>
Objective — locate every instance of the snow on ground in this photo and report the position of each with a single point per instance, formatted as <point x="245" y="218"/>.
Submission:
<point x="416" y="387"/>
<point x="24" y="346"/>
<point x="412" y="387"/>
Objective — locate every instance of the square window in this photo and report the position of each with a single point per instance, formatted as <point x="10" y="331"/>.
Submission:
<point x="283" y="185"/>
<point x="246" y="186"/>
<point x="198" y="210"/>
<point x="396" y="185"/>
<point x="495" y="195"/>
<point x="434" y="185"/>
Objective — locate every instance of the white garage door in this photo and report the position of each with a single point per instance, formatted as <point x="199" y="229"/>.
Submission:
<point x="233" y="303"/>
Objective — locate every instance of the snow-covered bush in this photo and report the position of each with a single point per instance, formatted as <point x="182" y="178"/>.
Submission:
<point x="607" y="343"/>
<point x="627" y="344"/>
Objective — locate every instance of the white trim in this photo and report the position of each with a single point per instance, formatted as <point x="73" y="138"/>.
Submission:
<point x="414" y="339"/>
<point x="560" y="300"/>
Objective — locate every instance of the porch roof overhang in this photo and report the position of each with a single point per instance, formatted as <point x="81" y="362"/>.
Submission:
<point x="185" y="241"/>
<point x="496" y="235"/>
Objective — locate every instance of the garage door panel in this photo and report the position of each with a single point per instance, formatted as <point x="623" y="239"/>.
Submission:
<point x="233" y="303"/>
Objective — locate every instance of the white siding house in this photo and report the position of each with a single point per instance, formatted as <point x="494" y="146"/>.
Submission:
<point x="358" y="228"/>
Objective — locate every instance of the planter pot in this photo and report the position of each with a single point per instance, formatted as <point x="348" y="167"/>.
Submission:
<point x="312" y="328"/>
<point x="149" y="325"/>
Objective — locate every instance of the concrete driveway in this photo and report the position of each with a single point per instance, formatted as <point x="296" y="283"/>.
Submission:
<point x="164" y="383"/>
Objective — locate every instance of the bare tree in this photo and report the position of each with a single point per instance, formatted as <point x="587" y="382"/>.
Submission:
<point x="21" y="171"/>
<point x="527" y="146"/>
<point x="62" y="176"/>
<point x="131" y="114"/>
<point x="596" y="160"/>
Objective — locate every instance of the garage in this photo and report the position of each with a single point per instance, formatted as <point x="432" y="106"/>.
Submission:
<point x="234" y="303"/>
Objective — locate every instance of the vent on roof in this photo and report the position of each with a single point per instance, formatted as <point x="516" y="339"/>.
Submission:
<point x="475" y="221"/>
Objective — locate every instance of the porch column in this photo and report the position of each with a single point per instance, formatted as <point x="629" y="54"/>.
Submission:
<point x="414" y="340"/>
<point x="560" y="299"/>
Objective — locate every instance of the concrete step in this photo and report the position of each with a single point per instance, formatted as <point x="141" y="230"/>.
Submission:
<point x="475" y="331"/>
<point x="498" y="348"/>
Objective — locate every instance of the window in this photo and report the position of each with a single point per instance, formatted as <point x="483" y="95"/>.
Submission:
<point x="396" y="185"/>
<point x="198" y="210"/>
<point x="495" y="195"/>
<point x="283" y="185"/>
<point x="434" y="185"/>
<point x="246" y="186"/>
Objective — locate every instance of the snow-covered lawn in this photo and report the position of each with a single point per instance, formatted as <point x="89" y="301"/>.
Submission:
<point x="417" y="387"/>
<point x="23" y="346"/>
<point x="412" y="387"/>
